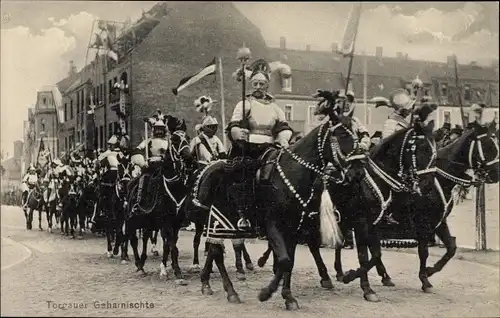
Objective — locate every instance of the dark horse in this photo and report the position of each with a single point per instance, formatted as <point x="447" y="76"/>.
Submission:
<point x="285" y="206"/>
<point x="33" y="201"/>
<point x="50" y="199"/>
<point x="395" y="169"/>
<point x="165" y="198"/>
<point x="69" y="200"/>
<point x="476" y="149"/>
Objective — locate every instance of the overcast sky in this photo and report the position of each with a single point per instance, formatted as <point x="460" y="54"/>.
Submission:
<point x="39" y="38"/>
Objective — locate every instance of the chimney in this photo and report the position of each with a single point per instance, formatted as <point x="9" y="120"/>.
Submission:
<point x="335" y="47"/>
<point x="450" y="61"/>
<point x="379" y="53"/>
<point x="283" y="43"/>
<point x="72" y="68"/>
<point x="308" y="48"/>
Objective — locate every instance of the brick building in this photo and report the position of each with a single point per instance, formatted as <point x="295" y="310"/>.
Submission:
<point x="167" y="44"/>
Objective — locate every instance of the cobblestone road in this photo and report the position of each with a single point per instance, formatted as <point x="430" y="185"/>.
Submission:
<point x="65" y="271"/>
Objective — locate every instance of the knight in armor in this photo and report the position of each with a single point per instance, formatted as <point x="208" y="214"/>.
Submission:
<point x="262" y="127"/>
<point x="108" y="161"/>
<point x="401" y="103"/>
<point x="29" y="182"/>
<point x="155" y="149"/>
<point x="476" y="113"/>
<point x="207" y="146"/>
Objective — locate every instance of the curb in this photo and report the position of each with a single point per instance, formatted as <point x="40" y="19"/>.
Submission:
<point x="30" y="253"/>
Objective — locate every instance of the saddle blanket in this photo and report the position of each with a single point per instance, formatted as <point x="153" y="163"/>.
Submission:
<point x="220" y="226"/>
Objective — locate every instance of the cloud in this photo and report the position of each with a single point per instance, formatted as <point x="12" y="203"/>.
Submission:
<point x="30" y="61"/>
<point x="427" y="34"/>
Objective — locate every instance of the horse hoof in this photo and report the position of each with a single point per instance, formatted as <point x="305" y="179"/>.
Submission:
<point x="428" y="289"/>
<point x="371" y="297"/>
<point x="291" y="305"/>
<point x="340" y="277"/>
<point x="40" y="228"/>
<point x="181" y="282"/>
<point x="234" y="299"/>
<point x="206" y="290"/>
<point x="249" y="266"/>
<point x="326" y="283"/>
<point x="49" y="230"/>
<point x="261" y="262"/>
<point x="265" y="294"/>
<point x="387" y="281"/>
<point x="163" y="270"/>
<point x="124" y="262"/>
<point x="80" y="237"/>
<point x="195" y="268"/>
<point x="349" y="276"/>
<point x="155" y="253"/>
<point x="109" y="254"/>
<point x="241" y="276"/>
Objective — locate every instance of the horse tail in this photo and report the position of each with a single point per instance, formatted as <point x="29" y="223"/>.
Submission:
<point x="331" y="235"/>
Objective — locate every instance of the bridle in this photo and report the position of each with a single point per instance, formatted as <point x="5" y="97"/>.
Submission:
<point x="341" y="162"/>
<point x="407" y="181"/>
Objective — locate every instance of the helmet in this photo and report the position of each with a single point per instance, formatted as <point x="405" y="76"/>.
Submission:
<point x="400" y="99"/>
<point x="346" y="102"/>
<point x="209" y="125"/>
<point x="260" y="71"/>
<point x="159" y="128"/>
<point x="113" y="140"/>
<point x="31" y="168"/>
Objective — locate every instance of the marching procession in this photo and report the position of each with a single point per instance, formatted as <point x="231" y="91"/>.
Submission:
<point x="394" y="188"/>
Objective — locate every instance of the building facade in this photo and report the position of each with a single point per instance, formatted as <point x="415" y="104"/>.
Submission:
<point x="168" y="44"/>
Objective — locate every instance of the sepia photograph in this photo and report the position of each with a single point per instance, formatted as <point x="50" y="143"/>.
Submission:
<point x="249" y="159"/>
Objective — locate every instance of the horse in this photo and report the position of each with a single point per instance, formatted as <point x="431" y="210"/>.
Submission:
<point x="291" y="173"/>
<point x="477" y="150"/>
<point x="33" y="202"/>
<point x="86" y="201"/>
<point x="394" y="165"/>
<point x="165" y="203"/>
<point x="69" y="200"/>
<point x="50" y="200"/>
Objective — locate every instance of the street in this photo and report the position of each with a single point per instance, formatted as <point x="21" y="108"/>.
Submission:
<point x="49" y="275"/>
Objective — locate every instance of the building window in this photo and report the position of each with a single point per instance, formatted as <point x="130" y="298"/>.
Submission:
<point x="65" y="111"/>
<point x="444" y="90"/>
<point x="312" y="119"/>
<point x="71" y="109"/>
<point x="110" y="129"/>
<point x="101" y="96"/>
<point x="447" y="117"/>
<point x="286" y="84"/>
<point x="45" y="101"/>
<point x="96" y="138"/>
<point x="467" y="93"/>
<point x="110" y="87"/>
<point x="66" y="144"/>
<point x="98" y="95"/>
<point x="496" y="116"/>
<point x="288" y="112"/>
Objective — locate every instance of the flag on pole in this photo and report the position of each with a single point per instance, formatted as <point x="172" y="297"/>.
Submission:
<point x="190" y="80"/>
<point x="351" y="30"/>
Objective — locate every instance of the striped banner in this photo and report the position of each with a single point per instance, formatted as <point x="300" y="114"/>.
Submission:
<point x="351" y="30"/>
<point x="190" y="80"/>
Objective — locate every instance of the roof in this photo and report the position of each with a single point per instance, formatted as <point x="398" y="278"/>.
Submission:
<point x="307" y="82"/>
<point x="387" y="66"/>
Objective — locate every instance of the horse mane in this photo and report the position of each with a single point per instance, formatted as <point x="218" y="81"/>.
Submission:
<point x="381" y="148"/>
<point x="203" y="184"/>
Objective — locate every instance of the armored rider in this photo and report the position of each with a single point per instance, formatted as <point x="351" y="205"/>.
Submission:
<point x="401" y="103"/>
<point x="108" y="160"/>
<point x="261" y="127"/>
<point x="207" y="146"/>
<point x="156" y="148"/>
<point x="29" y="182"/>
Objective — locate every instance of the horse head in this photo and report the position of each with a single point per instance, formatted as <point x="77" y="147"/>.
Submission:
<point x="476" y="149"/>
<point x="343" y="151"/>
<point x="409" y="155"/>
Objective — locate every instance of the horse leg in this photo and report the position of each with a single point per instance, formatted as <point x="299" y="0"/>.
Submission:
<point x="81" y="220"/>
<point x="48" y="215"/>
<point x="146" y="236"/>
<point x="196" y="245"/>
<point x="286" y="291"/>
<point x="205" y="274"/>
<point x="134" y="243"/>
<point x="40" y="210"/>
<point x="119" y="236"/>
<point x="423" y="254"/>
<point x="338" y="264"/>
<point x="246" y="257"/>
<point x="124" y="244"/>
<point x="172" y="238"/>
<point x="326" y="281"/>
<point x="281" y="260"/>
<point x="166" y="251"/>
<point x="443" y="233"/>
<point x="375" y="249"/>
<point x="205" y="251"/>
<point x="73" y="222"/>
<point x="263" y="259"/>
<point x="218" y="256"/>
<point x="362" y="242"/>
<point x="109" y="245"/>
<point x="26" y="216"/>
<point x="154" y="239"/>
<point x="240" y="272"/>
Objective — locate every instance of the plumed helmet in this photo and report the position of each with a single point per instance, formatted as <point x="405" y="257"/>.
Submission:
<point x="261" y="71"/>
<point x="57" y="162"/>
<point x="113" y="140"/>
<point x="399" y="99"/>
<point x="203" y="104"/>
<point x="159" y="123"/>
<point x="31" y="168"/>
<point x="209" y="121"/>
<point x="477" y="108"/>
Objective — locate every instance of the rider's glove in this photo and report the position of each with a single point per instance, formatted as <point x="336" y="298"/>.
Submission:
<point x="239" y="134"/>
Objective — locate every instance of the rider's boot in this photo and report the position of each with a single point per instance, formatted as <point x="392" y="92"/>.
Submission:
<point x="139" y="192"/>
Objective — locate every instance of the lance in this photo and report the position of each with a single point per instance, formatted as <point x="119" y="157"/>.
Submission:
<point x="462" y="115"/>
<point x="244" y="54"/>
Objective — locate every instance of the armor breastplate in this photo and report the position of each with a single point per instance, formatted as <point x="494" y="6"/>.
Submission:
<point x="32" y="179"/>
<point x="158" y="146"/>
<point x="262" y="118"/>
<point x="112" y="160"/>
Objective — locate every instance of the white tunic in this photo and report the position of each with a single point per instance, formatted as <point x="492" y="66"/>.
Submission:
<point x="394" y="123"/>
<point x="206" y="155"/>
